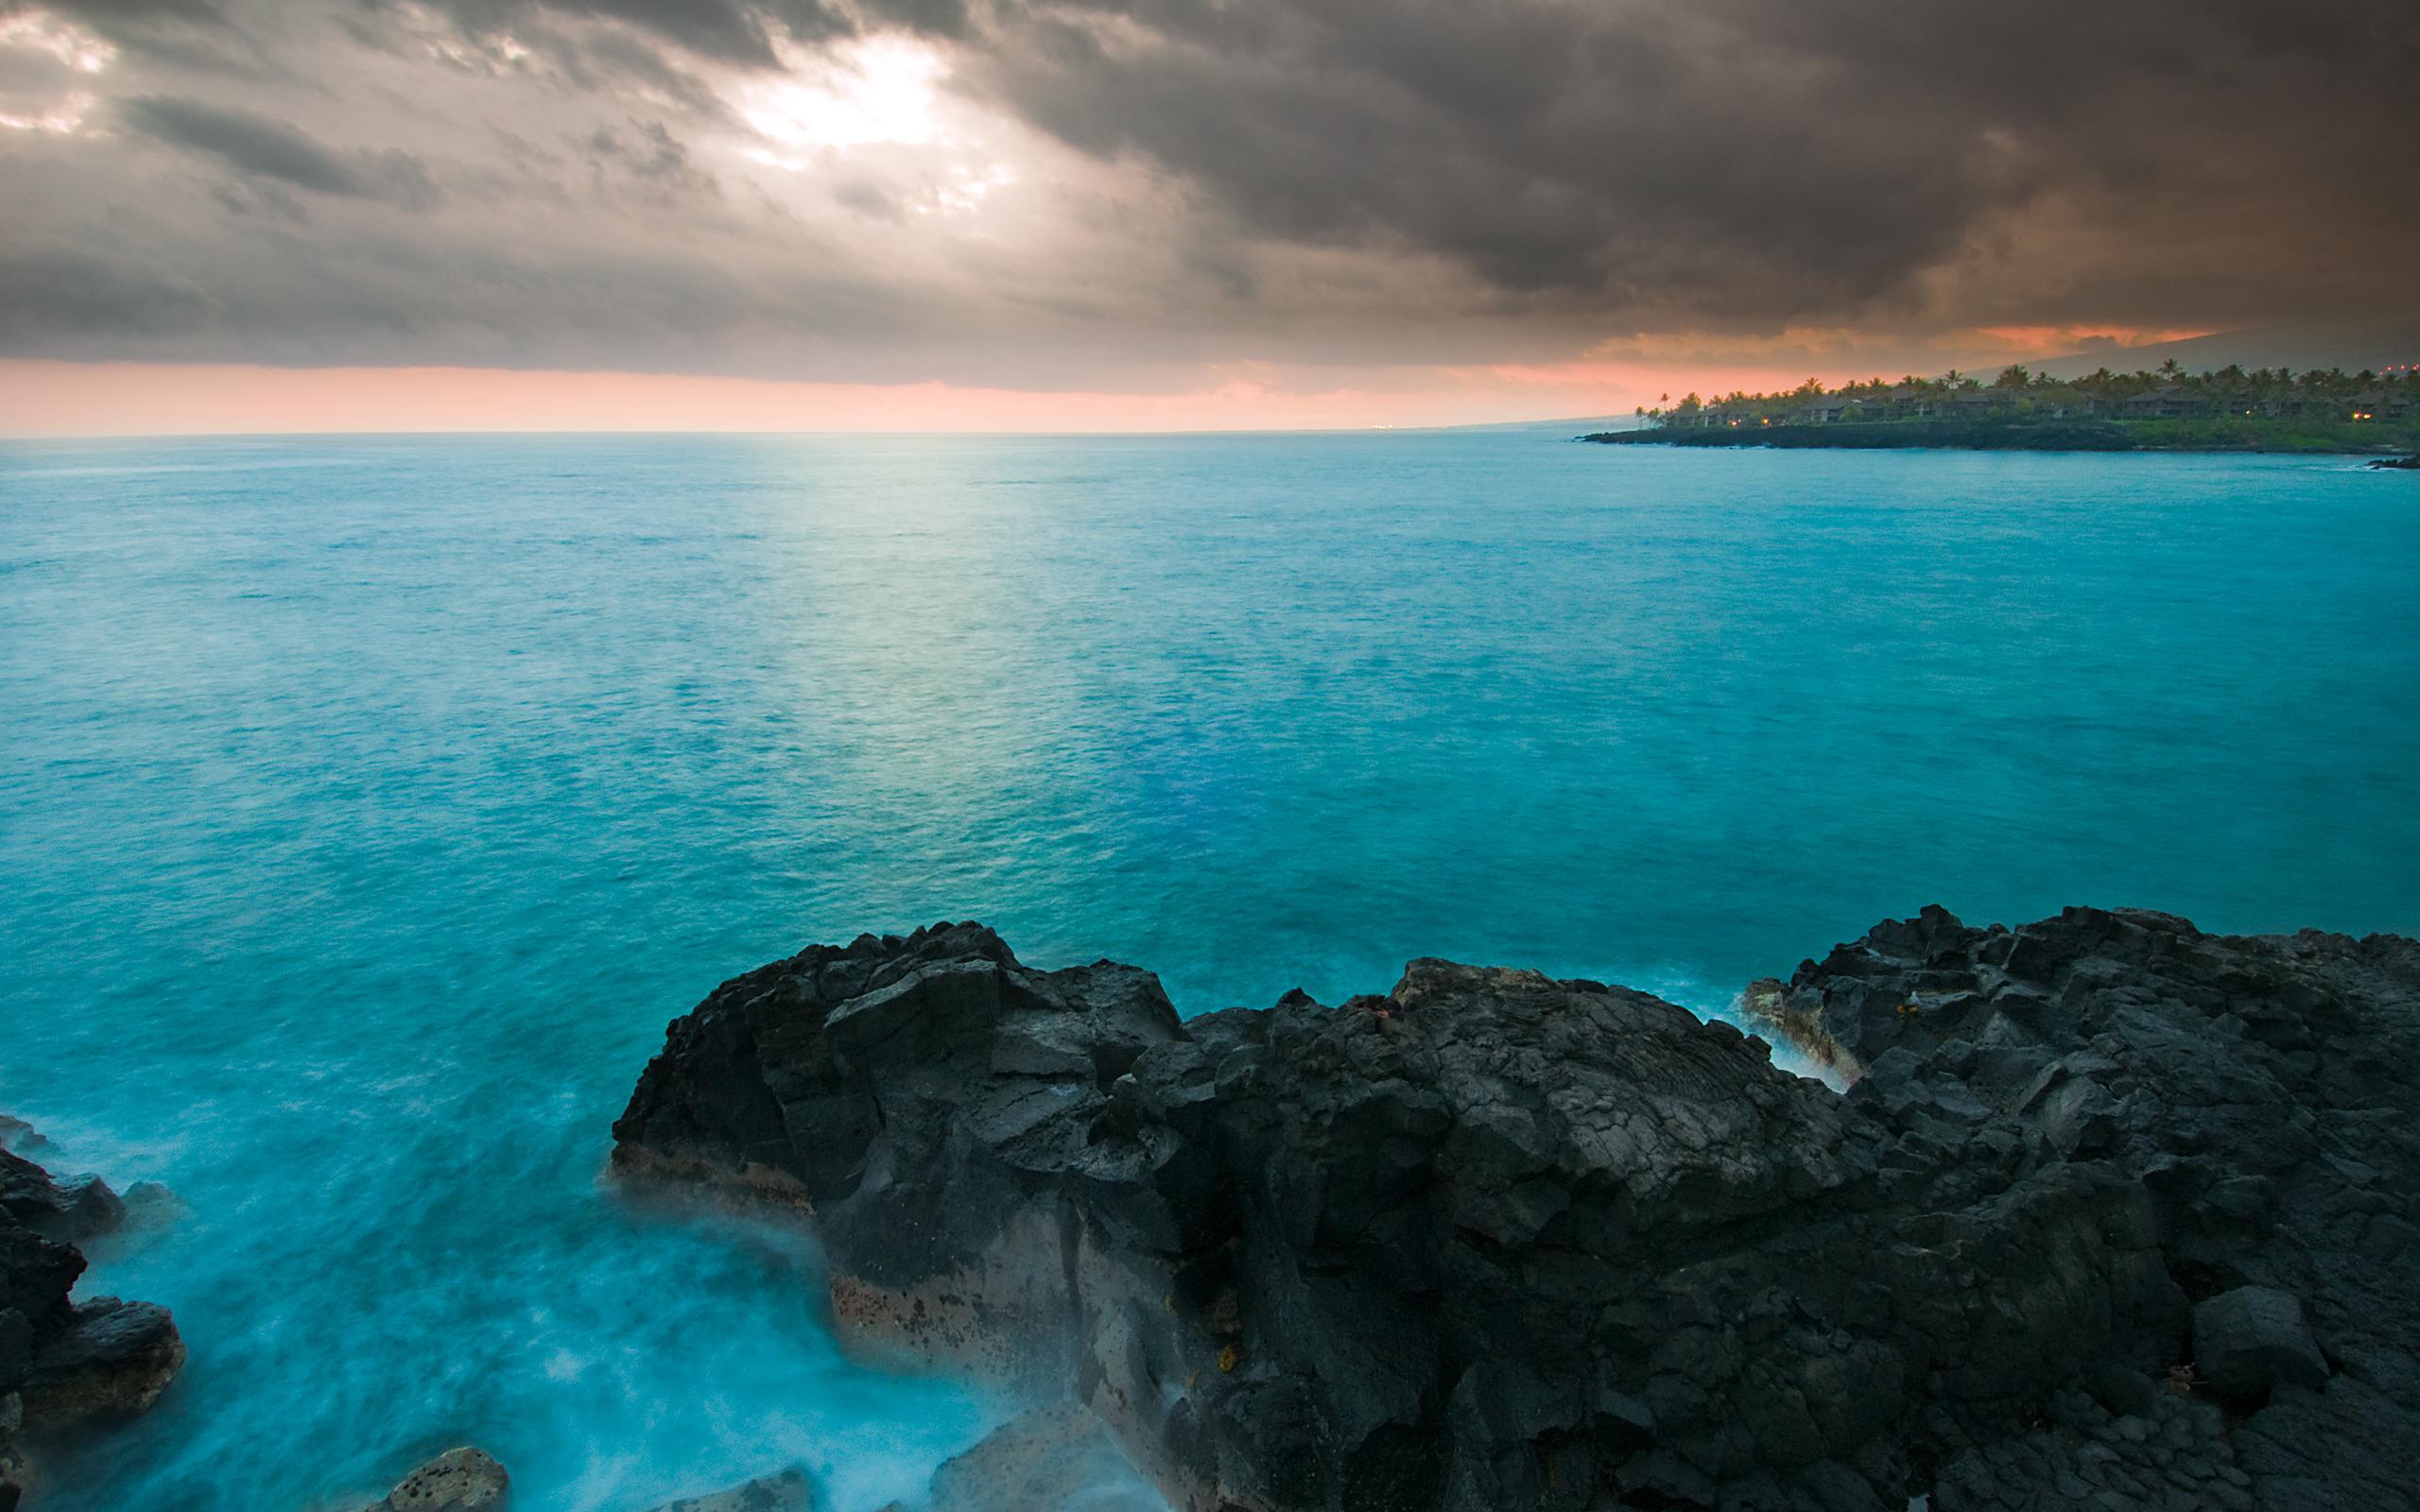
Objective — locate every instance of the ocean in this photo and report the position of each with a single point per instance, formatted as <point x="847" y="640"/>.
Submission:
<point x="372" y="803"/>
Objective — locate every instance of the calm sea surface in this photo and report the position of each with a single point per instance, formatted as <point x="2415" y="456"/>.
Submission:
<point x="371" y="804"/>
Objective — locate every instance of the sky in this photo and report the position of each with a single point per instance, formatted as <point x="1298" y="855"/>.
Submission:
<point x="1155" y="213"/>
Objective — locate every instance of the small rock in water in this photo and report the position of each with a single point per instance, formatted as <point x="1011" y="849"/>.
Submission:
<point x="789" y="1491"/>
<point x="460" y="1480"/>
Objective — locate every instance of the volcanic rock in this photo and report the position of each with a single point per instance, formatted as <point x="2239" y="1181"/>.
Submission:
<point x="113" y="1360"/>
<point x="1498" y="1241"/>
<point x="62" y="1365"/>
<point x="69" y="1212"/>
<point x="789" y="1491"/>
<point x="460" y="1480"/>
<point x="1056" y="1456"/>
<point x="2250" y="1339"/>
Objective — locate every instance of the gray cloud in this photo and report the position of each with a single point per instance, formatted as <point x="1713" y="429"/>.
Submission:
<point x="1742" y="159"/>
<point x="249" y="143"/>
<point x="589" y="182"/>
<point x="125" y="11"/>
<point x="712" y="28"/>
<point x="258" y="145"/>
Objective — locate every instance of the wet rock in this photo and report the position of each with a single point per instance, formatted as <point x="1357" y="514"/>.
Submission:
<point x="70" y="1211"/>
<point x="111" y="1361"/>
<point x="13" y="1465"/>
<point x="1058" y="1456"/>
<point x="62" y="1365"/>
<point x="460" y="1480"/>
<point x="2248" y="1340"/>
<point x="1492" y="1240"/>
<point x="789" y="1491"/>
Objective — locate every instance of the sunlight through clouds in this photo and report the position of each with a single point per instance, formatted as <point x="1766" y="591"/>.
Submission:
<point x="859" y="97"/>
<point x="873" y="89"/>
<point x="41" y="32"/>
<point x="42" y="60"/>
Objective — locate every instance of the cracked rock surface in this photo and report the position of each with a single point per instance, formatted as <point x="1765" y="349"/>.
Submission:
<point x="1492" y="1240"/>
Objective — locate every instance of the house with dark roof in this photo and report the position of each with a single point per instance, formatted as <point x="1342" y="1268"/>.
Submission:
<point x="2167" y="401"/>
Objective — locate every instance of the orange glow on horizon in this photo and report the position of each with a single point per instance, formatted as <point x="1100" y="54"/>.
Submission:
<point x="2059" y="340"/>
<point x="49" y="399"/>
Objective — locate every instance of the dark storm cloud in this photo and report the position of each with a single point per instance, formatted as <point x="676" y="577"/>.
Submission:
<point x="1757" y="159"/>
<point x="123" y="11"/>
<point x="249" y="143"/>
<point x="734" y="32"/>
<point x="590" y="180"/>
<point x="259" y="145"/>
<point x="711" y="28"/>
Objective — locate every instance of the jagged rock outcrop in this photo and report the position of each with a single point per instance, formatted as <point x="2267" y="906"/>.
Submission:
<point x="1498" y="1241"/>
<point x="69" y="1212"/>
<point x="2260" y="1091"/>
<point x="61" y="1364"/>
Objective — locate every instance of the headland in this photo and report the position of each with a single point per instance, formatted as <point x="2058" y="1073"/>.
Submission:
<point x="2230" y="411"/>
<point x="2113" y="1213"/>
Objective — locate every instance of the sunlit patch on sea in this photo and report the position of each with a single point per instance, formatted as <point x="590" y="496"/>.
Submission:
<point x="371" y="804"/>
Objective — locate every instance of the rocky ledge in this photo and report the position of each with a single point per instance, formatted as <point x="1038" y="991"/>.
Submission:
<point x="2113" y="1215"/>
<point x="63" y="1366"/>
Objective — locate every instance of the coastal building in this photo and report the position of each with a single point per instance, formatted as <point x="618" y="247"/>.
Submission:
<point x="2168" y="402"/>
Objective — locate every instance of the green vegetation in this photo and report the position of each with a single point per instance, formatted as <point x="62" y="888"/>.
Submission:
<point x="2170" y="409"/>
<point x="2257" y="434"/>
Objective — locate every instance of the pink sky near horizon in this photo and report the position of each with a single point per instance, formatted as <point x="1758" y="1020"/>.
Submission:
<point x="43" y="399"/>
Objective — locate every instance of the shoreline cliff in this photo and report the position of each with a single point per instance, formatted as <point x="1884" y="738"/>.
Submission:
<point x="2114" y="1212"/>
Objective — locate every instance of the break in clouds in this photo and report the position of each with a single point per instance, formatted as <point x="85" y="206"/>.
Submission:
<point x="1063" y="191"/>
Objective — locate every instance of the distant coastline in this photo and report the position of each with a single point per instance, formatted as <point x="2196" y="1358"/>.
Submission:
<point x="2230" y="411"/>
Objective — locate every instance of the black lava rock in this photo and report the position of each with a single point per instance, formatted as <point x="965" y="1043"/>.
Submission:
<point x="2252" y="1339"/>
<point x="1498" y="1241"/>
<point x="78" y="1209"/>
<point x="62" y="1365"/>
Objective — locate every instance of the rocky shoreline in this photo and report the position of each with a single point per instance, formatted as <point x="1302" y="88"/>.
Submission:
<point x="66" y="1366"/>
<point x="2115" y="1214"/>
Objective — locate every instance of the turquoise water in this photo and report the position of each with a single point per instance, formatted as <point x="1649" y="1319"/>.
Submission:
<point x="371" y="804"/>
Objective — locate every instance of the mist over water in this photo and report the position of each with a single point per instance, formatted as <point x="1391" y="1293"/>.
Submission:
<point x="371" y="804"/>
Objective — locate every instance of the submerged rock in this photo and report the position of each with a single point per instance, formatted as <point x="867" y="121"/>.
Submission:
<point x="460" y="1480"/>
<point x="789" y="1491"/>
<point x="1498" y="1241"/>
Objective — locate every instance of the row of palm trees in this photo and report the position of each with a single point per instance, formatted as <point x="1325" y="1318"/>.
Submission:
<point x="2168" y="391"/>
